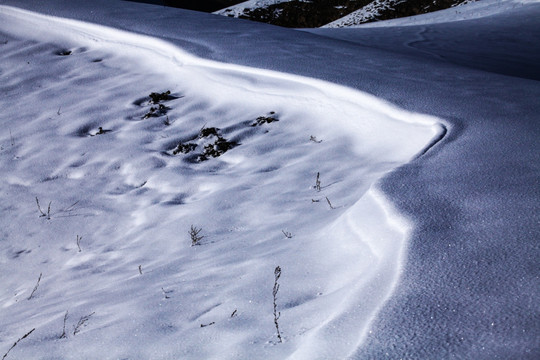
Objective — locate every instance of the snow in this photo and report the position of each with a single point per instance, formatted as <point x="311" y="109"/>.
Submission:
<point x="366" y="13"/>
<point x="85" y="142"/>
<point x="239" y="9"/>
<point x="431" y="245"/>
<point x="473" y="10"/>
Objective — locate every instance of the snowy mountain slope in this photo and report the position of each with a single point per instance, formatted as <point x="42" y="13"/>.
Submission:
<point x="333" y="13"/>
<point x="366" y="14"/>
<point x="99" y="198"/>
<point x="197" y="5"/>
<point x="371" y="13"/>
<point x="239" y="9"/>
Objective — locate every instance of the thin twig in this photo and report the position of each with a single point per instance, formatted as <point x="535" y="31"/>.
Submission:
<point x="79" y="238"/>
<point x="64" y="335"/>
<point x="202" y="128"/>
<point x="70" y="208"/>
<point x="287" y="234"/>
<point x="166" y="293"/>
<point x="81" y="322"/>
<point x="277" y="274"/>
<point x="16" y="342"/>
<point x="35" y="287"/>
<point x="39" y="208"/>
<point x="318" y="183"/>
<point x="329" y="203"/>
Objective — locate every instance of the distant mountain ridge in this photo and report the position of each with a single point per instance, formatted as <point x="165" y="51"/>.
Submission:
<point x="334" y="13"/>
<point x="314" y="13"/>
<point x="197" y="5"/>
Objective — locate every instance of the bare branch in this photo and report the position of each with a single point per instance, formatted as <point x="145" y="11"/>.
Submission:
<point x="81" y="323"/>
<point x="39" y="208"/>
<point x="48" y="214"/>
<point x="35" y="287"/>
<point x="16" y="342"/>
<point x="329" y="203"/>
<point x="64" y="335"/>
<point x="277" y="274"/>
<point x="166" y="293"/>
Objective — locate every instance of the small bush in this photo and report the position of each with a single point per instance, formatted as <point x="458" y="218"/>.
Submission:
<point x="155" y="98"/>
<point x="194" y="235"/>
<point x="218" y="148"/>
<point x="206" y="132"/>
<point x="214" y="149"/>
<point x="261" y="120"/>
<point x="160" y="110"/>
<point x="184" y="148"/>
<point x="102" y="131"/>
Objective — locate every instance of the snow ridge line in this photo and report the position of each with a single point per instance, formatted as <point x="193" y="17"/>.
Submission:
<point x="111" y="38"/>
<point x="437" y="139"/>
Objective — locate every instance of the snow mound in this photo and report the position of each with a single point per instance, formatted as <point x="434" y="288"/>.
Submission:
<point x="116" y="144"/>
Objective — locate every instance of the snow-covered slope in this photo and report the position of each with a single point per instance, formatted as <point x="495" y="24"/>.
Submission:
<point x="105" y="172"/>
<point x="463" y="246"/>
<point x="363" y="15"/>
<point x="333" y="13"/>
<point x="473" y="10"/>
<point x="239" y="9"/>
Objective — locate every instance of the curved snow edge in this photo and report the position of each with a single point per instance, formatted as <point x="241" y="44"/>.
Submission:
<point x="374" y="222"/>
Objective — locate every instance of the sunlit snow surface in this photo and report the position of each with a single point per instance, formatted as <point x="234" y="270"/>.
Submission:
<point x="473" y="10"/>
<point x="239" y="9"/>
<point x="75" y="136"/>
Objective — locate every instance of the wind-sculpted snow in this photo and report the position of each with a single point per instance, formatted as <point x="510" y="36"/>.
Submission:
<point x="100" y="186"/>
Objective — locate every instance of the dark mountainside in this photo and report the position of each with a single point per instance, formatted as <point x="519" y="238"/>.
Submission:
<point x="301" y="14"/>
<point x="312" y="14"/>
<point x="198" y="5"/>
